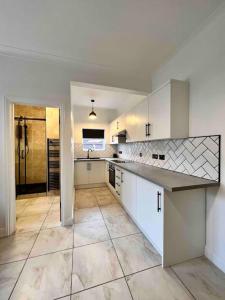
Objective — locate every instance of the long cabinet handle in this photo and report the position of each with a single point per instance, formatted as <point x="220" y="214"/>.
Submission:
<point x="148" y="125"/>
<point x="146" y="129"/>
<point x="121" y="177"/>
<point x="159" y="202"/>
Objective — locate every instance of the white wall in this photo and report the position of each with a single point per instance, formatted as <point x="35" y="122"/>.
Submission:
<point x="202" y="62"/>
<point x="81" y="120"/>
<point x="45" y="84"/>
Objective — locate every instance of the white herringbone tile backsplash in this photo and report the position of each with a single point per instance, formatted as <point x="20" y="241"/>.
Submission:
<point x="197" y="156"/>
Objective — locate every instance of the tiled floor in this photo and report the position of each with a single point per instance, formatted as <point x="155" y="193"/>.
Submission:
<point x="103" y="256"/>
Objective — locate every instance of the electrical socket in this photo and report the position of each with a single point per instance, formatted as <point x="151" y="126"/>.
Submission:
<point x="162" y="156"/>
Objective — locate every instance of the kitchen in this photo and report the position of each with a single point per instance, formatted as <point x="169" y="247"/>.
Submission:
<point x="137" y="201"/>
<point x="144" y="174"/>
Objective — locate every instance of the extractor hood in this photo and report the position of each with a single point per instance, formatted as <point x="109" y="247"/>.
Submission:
<point x="120" y="137"/>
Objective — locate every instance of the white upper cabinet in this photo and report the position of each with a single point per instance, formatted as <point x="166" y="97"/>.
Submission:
<point x="113" y="130"/>
<point x="141" y="120"/>
<point x="169" y="111"/>
<point x="116" y="126"/>
<point x="121" y="123"/>
<point x="130" y="126"/>
<point x="162" y="114"/>
<point x="137" y="121"/>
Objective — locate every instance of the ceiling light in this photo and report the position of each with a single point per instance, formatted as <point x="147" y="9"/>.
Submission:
<point x="92" y="114"/>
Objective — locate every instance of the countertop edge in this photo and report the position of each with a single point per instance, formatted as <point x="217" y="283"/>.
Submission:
<point x="168" y="188"/>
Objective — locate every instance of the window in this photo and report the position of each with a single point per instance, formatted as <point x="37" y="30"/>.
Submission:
<point x="93" y="139"/>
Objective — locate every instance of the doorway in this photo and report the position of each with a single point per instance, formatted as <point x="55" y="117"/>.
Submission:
<point x="37" y="167"/>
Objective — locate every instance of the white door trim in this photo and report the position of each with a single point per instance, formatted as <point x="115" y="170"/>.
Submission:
<point x="10" y="203"/>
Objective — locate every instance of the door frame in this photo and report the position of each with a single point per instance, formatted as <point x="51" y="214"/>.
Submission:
<point x="10" y="183"/>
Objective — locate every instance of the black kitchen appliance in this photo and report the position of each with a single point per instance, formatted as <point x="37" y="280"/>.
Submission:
<point x="112" y="174"/>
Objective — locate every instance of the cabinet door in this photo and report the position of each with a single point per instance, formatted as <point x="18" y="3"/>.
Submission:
<point x="80" y="173"/>
<point x="141" y="120"/>
<point x="121" y="122"/>
<point x="130" y="125"/>
<point x="160" y="113"/>
<point x="96" y="173"/>
<point x="150" y="211"/>
<point x="129" y="192"/>
<point x="113" y="131"/>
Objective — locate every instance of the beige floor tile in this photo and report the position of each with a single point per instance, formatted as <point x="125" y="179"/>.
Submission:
<point x="157" y="284"/>
<point x="100" y="189"/>
<point x="55" y="207"/>
<point x="52" y="220"/>
<point x="20" y="207"/>
<point x="106" y="199"/>
<point x="45" y="277"/>
<point x="140" y="256"/>
<point x="52" y="240"/>
<point x="115" y="290"/>
<point x="87" y="215"/>
<point x="30" y="196"/>
<point x="90" y="232"/>
<point x="8" y="276"/>
<point x="103" y="191"/>
<point x="112" y="210"/>
<point x="41" y="200"/>
<point x="32" y="223"/>
<point x="56" y="199"/>
<point x="202" y="278"/>
<point x="84" y="199"/>
<point x="119" y="226"/>
<point x="94" y="264"/>
<point x="16" y="247"/>
<point x="36" y="208"/>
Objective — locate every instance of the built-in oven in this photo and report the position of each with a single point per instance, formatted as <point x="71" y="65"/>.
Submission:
<point x="112" y="174"/>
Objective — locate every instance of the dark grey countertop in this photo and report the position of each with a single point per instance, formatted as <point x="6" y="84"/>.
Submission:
<point x="170" y="180"/>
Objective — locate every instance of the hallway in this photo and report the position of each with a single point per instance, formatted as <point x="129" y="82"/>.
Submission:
<point x="102" y="256"/>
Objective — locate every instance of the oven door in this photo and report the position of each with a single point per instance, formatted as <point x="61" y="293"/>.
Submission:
<point x="112" y="176"/>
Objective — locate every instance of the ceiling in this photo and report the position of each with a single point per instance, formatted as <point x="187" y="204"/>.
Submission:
<point x="105" y="97"/>
<point x="132" y="37"/>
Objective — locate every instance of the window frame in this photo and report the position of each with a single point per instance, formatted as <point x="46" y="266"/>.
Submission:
<point x="92" y="145"/>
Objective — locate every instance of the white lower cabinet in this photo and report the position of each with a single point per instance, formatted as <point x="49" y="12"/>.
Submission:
<point x="80" y="173"/>
<point x="174" y="222"/>
<point x="89" y="172"/>
<point x="129" y="192"/>
<point x="96" y="172"/>
<point x="118" y="181"/>
<point x="150" y="211"/>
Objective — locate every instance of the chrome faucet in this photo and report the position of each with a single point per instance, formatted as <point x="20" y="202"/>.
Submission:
<point x="88" y="152"/>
